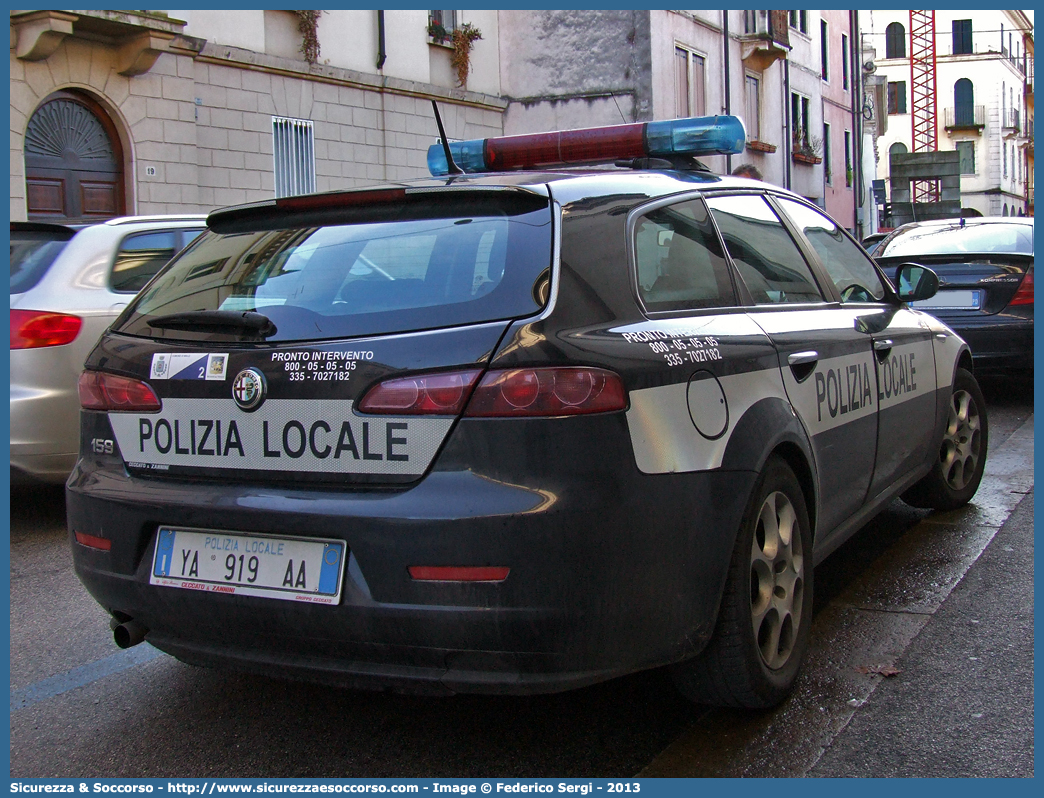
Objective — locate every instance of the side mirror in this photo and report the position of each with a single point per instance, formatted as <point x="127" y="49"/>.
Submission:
<point x="914" y="283"/>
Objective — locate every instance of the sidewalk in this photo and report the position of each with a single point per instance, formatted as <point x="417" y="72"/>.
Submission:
<point x="962" y="704"/>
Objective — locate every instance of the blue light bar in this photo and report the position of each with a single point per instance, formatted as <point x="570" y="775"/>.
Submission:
<point x="466" y="154"/>
<point x="707" y="135"/>
<point x="703" y="135"/>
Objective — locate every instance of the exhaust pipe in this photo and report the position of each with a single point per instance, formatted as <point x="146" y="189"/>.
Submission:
<point x="129" y="633"/>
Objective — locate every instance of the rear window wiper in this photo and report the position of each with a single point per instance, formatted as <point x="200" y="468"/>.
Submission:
<point x="218" y="321"/>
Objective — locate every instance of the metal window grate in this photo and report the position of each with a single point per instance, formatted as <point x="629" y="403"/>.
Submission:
<point x="293" y="155"/>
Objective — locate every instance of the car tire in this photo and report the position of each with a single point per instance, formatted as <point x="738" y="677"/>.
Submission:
<point x="762" y="632"/>
<point x="958" y="469"/>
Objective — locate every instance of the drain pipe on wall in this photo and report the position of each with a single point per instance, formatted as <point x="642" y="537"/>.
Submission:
<point x="382" y="52"/>
<point x="856" y="70"/>
<point x="728" y="79"/>
<point x="788" y="139"/>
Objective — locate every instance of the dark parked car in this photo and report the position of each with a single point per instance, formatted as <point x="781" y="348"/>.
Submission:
<point x="871" y="242"/>
<point x="985" y="268"/>
<point x="513" y="432"/>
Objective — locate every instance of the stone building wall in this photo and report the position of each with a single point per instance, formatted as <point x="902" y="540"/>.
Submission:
<point x="196" y="127"/>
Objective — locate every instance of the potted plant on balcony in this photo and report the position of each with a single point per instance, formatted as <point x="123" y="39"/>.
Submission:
<point x="807" y="149"/>
<point x="464" y="39"/>
<point x="461" y="40"/>
<point x="438" y="33"/>
<point x="760" y="146"/>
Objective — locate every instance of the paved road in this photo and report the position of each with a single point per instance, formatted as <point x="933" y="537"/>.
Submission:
<point x="80" y="707"/>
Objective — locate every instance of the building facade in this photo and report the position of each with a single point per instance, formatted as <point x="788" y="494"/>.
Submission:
<point x="124" y="112"/>
<point x="1027" y="142"/>
<point x="981" y="97"/>
<point x="791" y="76"/>
<point x="195" y="109"/>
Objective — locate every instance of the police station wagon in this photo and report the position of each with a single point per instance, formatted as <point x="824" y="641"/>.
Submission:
<point x="513" y="430"/>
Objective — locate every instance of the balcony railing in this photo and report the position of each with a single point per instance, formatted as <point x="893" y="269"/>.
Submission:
<point x="1014" y="60"/>
<point x="981" y="46"/>
<point x="1010" y="118"/>
<point x="965" y="116"/>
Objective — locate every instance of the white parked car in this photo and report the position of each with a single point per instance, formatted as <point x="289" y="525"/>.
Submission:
<point x="68" y="283"/>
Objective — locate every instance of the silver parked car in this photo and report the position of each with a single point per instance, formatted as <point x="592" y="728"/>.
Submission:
<point x="68" y="283"/>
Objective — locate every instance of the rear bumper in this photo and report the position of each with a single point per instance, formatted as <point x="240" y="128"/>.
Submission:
<point x="608" y="576"/>
<point x="1000" y="344"/>
<point x="34" y="469"/>
<point x="45" y="414"/>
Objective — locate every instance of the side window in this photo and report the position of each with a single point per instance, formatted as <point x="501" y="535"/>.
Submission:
<point x="190" y="235"/>
<point x="766" y="256"/>
<point x="140" y="256"/>
<point x="679" y="260"/>
<point x="845" y="261"/>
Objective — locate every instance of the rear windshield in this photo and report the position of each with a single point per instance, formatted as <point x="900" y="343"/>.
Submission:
<point x="32" y="253"/>
<point x="997" y="237"/>
<point x="372" y="278"/>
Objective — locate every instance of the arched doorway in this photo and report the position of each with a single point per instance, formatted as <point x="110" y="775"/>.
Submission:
<point x="73" y="161"/>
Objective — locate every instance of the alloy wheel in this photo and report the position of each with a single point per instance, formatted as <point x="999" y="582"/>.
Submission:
<point x="960" y="451"/>
<point x="777" y="577"/>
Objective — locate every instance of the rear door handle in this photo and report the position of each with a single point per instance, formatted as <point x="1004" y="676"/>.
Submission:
<point x="802" y="364"/>
<point x="882" y="347"/>
<point x="802" y="358"/>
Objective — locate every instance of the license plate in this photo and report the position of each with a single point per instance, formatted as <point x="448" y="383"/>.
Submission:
<point x="292" y="569"/>
<point x="958" y="300"/>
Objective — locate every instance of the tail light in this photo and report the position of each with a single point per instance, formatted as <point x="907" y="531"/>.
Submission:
<point x="101" y="391"/>
<point x="340" y="199"/>
<point x="503" y="393"/>
<point x="1024" y="296"/>
<point x="429" y="394"/>
<point x="93" y="541"/>
<point x="31" y="329"/>
<point x="547" y="392"/>
<point x="451" y="573"/>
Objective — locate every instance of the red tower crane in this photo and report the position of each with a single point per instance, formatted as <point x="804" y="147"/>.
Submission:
<point x="922" y="97"/>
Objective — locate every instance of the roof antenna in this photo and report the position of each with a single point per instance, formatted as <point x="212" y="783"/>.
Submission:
<point x="451" y="167"/>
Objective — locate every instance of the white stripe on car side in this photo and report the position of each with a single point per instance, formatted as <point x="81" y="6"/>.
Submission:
<point x="663" y="435"/>
<point x="841" y="390"/>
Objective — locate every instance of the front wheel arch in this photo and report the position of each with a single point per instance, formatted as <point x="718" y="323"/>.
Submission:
<point x="799" y="464"/>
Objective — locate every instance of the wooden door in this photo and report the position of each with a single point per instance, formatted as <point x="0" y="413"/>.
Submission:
<point x="73" y="161"/>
